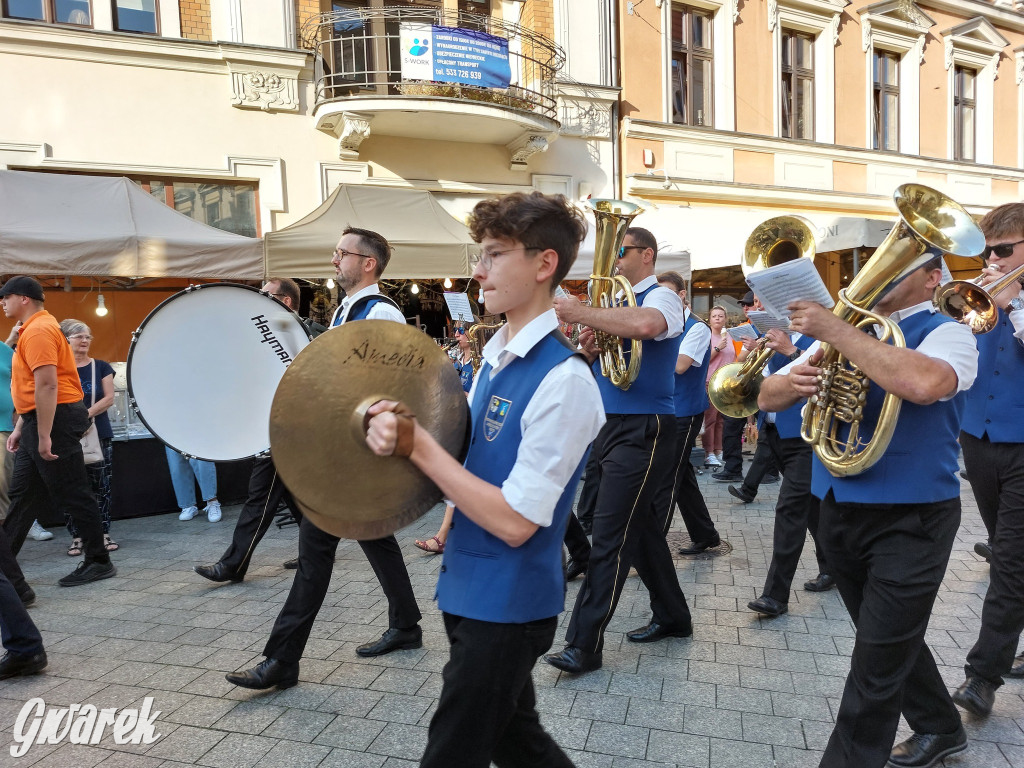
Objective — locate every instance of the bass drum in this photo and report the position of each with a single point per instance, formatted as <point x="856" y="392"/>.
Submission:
<point x="204" y="365"/>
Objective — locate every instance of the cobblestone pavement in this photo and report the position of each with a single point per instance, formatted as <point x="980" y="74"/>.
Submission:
<point x="743" y="692"/>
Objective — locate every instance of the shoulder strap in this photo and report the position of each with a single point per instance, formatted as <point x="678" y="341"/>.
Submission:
<point x="371" y="300"/>
<point x="93" y="367"/>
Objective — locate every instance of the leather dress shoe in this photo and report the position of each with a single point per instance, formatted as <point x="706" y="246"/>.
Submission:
<point x="820" y="583"/>
<point x="984" y="549"/>
<point x="266" y="674"/>
<point x="976" y="696"/>
<point x="768" y="606"/>
<point x="574" y="568"/>
<point x="27" y="595"/>
<point x="655" y="631"/>
<point x="394" y="639"/>
<point x="20" y="664"/>
<point x="697" y="547"/>
<point x="923" y="750"/>
<point x="740" y="494"/>
<point x="292" y="564"/>
<point x="218" y="572"/>
<point x="574" y="660"/>
<point x="1017" y="670"/>
<point x="727" y="477"/>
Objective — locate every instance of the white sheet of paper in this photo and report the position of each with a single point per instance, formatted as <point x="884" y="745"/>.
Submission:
<point x="459" y="308"/>
<point x="741" y="332"/>
<point x="796" y="280"/>
<point x="764" y="322"/>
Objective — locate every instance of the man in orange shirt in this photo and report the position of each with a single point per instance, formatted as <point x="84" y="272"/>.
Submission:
<point x="49" y="469"/>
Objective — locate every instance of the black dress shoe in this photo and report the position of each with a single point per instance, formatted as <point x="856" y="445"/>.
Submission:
<point x="697" y="547"/>
<point x="394" y="639"/>
<point x="923" y="750"/>
<point x="655" y="631"/>
<point x="984" y="549"/>
<point x="976" y="696"/>
<point x="266" y="674"/>
<point x="574" y="660"/>
<point x="292" y="564"/>
<point x="740" y="494"/>
<point x="20" y="664"/>
<point x="218" y="572"/>
<point x="769" y="479"/>
<point x="727" y="477"/>
<point x="27" y="595"/>
<point x="820" y="583"/>
<point x="1017" y="670"/>
<point x="769" y="606"/>
<point x="574" y="569"/>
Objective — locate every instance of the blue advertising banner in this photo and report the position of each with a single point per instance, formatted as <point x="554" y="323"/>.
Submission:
<point x="452" y="55"/>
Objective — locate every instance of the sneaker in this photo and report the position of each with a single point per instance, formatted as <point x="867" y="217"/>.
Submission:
<point x="213" y="511"/>
<point x="712" y="461"/>
<point x="88" y="572"/>
<point x="39" y="533"/>
<point x="188" y="513"/>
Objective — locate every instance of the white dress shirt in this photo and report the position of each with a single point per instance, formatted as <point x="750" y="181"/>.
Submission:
<point x="382" y="310"/>
<point x="666" y="301"/>
<point x="696" y="342"/>
<point x="562" y="418"/>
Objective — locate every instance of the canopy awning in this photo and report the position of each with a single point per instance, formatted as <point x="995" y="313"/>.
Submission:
<point x="673" y="253"/>
<point x="62" y="224"/>
<point x="427" y="242"/>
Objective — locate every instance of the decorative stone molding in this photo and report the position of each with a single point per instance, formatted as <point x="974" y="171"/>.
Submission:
<point x="976" y="43"/>
<point x="354" y="130"/>
<point x="525" y="147"/>
<point x="585" y="110"/>
<point x="947" y="46"/>
<point x="773" y="14"/>
<point x="823" y="14"/>
<point x="1020" y="67"/>
<point x="895" y="24"/>
<point x="268" y="91"/>
<point x="834" y="26"/>
<point x="734" y="7"/>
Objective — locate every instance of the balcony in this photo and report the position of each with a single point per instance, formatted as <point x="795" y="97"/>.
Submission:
<point x="369" y="78"/>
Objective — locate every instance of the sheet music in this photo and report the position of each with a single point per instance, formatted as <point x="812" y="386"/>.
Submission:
<point x="459" y="308"/>
<point x="764" y="322"/>
<point x="741" y="332"/>
<point x="796" y="280"/>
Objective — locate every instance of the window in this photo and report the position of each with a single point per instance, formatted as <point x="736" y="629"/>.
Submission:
<point x="797" y="92"/>
<point x="227" y="206"/>
<point x="75" y="12"/>
<point x="350" y="56"/>
<point x="964" y="108"/>
<point x="692" y="75"/>
<point x="136" y="16"/>
<point x="886" y="106"/>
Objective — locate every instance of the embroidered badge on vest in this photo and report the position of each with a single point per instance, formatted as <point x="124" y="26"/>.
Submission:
<point x="495" y="418"/>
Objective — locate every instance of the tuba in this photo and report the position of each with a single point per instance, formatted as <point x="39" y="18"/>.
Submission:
<point x="967" y="302"/>
<point x="479" y="334"/>
<point x="612" y="218"/>
<point x="930" y="225"/>
<point x="733" y="388"/>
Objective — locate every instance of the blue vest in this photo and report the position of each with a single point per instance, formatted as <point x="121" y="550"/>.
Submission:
<point x="920" y="464"/>
<point x="361" y="308"/>
<point x="691" y="389"/>
<point x="789" y="422"/>
<point x="465" y="373"/>
<point x="653" y="390"/>
<point x="482" y="577"/>
<point x="994" y="403"/>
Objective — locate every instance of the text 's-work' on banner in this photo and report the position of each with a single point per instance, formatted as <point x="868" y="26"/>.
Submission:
<point x="450" y="55"/>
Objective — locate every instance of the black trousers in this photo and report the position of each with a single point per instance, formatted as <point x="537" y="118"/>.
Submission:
<point x="633" y="466"/>
<point x="18" y="633"/>
<point x="888" y="562"/>
<point x="732" y="444"/>
<point x="796" y="512"/>
<point x="576" y="541"/>
<point x="588" y="494"/>
<point x="996" y="474"/>
<point x="762" y="463"/>
<point x="487" y="709"/>
<point x="685" y="491"/>
<point x="266" y="492"/>
<point x="9" y="566"/>
<point x="313" y="577"/>
<point x="38" y="485"/>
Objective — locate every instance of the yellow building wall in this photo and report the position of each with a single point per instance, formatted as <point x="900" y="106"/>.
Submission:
<point x="754" y="167"/>
<point x="851" y="117"/>
<point x="849" y="177"/>
<point x="641" y="62"/>
<point x="754" y="108"/>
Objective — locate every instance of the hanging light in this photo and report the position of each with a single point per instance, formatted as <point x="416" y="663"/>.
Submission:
<point x="415" y="289"/>
<point x="101" y="306"/>
<point x="448" y="283"/>
<point x="330" y="283"/>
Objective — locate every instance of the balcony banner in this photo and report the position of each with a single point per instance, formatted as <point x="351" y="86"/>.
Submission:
<point x="452" y="55"/>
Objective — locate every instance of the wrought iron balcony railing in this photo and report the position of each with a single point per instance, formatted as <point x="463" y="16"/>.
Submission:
<point x="358" y="54"/>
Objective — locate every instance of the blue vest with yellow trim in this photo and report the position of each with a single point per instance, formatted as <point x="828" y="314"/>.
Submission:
<point x="482" y="577"/>
<point x="789" y="422"/>
<point x="691" y="389"/>
<point x="995" y="405"/>
<point x="653" y="390"/>
<point x="920" y="464"/>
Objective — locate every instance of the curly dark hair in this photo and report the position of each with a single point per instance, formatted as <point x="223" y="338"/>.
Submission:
<point x="375" y="245"/>
<point x="537" y="221"/>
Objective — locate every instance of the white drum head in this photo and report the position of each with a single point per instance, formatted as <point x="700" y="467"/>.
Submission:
<point x="204" y="365"/>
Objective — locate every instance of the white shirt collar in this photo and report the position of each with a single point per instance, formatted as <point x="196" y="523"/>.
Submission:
<point x="498" y="349"/>
<point x="647" y="282"/>
<point x="900" y="314"/>
<point x="367" y="291"/>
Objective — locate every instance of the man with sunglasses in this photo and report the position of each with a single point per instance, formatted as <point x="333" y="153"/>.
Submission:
<point x="993" y="444"/>
<point x="631" y="464"/>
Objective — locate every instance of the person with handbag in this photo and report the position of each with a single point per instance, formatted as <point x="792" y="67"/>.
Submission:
<point x="97" y="380"/>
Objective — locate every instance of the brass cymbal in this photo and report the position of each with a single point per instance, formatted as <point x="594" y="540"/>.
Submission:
<point x="317" y="434"/>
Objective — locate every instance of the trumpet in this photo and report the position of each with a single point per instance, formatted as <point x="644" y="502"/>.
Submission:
<point x="967" y="302"/>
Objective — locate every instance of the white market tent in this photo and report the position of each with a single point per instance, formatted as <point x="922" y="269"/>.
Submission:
<point x="62" y="224"/>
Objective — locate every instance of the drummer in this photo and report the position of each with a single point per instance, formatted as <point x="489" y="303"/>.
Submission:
<point x="502" y="586"/>
<point x="359" y="260"/>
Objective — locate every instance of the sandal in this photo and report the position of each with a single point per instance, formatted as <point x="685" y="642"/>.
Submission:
<point x="109" y="544"/>
<point x="436" y="548"/>
<point x="75" y="550"/>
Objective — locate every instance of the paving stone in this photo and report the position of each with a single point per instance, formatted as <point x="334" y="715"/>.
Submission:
<point x="680" y="748"/>
<point x="238" y="750"/>
<point x="613" y="739"/>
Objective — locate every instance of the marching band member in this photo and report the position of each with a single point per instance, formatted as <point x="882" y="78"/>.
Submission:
<point x="888" y="532"/>
<point x="633" y="464"/>
<point x="502" y="587"/>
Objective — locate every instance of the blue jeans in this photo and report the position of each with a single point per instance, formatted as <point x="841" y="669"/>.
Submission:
<point x="182" y="471"/>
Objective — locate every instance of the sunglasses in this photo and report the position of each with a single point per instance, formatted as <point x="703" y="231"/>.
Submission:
<point x="1003" y="250"/>
<point x="623" y="249"/>
<point x="460" y="331"/>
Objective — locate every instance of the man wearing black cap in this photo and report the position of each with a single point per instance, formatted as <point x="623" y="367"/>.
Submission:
<point x="49" y="469"/>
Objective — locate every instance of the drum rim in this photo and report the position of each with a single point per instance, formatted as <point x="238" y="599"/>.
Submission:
<point x="192" y="288"/>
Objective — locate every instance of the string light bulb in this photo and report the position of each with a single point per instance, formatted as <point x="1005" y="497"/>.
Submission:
<point x="101" y="306"/>
<point x="448" y="283"/>
<point x="330" y="283"/>
<point x="415" y="289"/>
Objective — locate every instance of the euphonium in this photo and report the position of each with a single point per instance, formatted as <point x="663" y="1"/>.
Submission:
<point x="612" y="218"/>
<point x="969" y="303"/>
<point x="733" y="388"/>
<point x="930" y="225"/>
<point x="479" y="334"/>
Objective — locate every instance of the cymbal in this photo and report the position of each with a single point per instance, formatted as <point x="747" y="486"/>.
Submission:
<point x="317" y="437"/>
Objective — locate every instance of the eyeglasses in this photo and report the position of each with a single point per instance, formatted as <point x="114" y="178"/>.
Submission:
<point x="623" y="249"/>
<point x="486" y="258"/>
<point x="1003" y="250"/>
<point x="80" y="337"/>
<point x="340" y="253"/>
<point x="279" y="295"/>
<point x="460" y="331"/>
